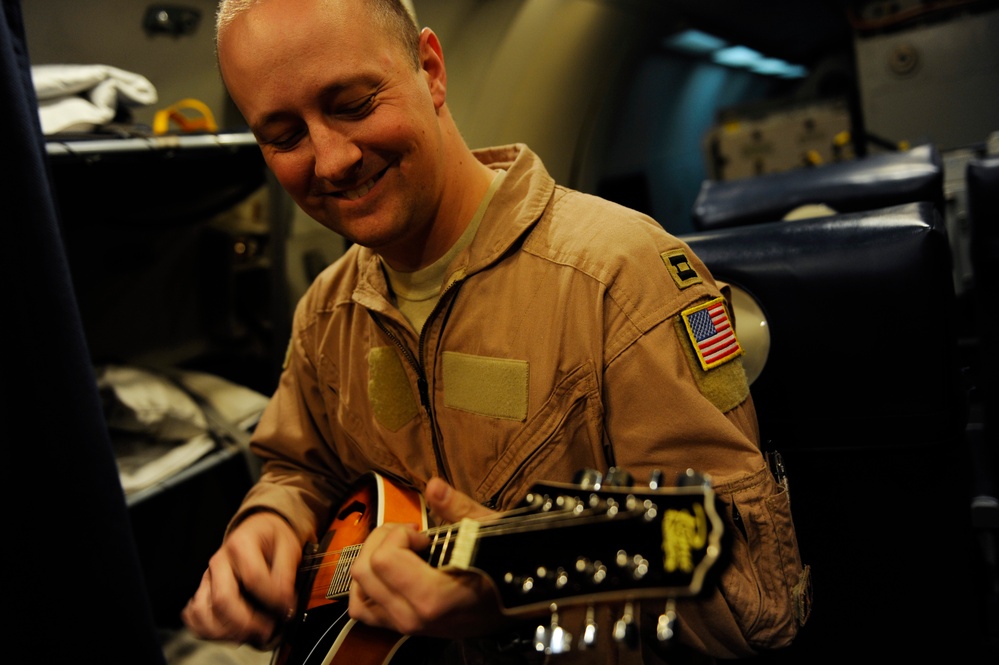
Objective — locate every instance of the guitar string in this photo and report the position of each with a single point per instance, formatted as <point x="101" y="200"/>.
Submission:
<point x="499" y="526"/>
<point x="432" y="531"/>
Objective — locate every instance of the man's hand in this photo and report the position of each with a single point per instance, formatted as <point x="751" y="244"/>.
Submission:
<point x="248" y="590"/>
<point x="394" y="587"/>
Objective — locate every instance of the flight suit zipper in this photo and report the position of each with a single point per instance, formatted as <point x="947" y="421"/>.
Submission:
<point x="422" y="384"/>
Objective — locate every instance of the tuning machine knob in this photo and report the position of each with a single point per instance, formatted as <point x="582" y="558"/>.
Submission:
<point x="691" y="478"/>
<point x="655" y="479"/>
<point x="588" y="479"/>
<point x="589" y="638"/>
<point x="552" y="639"/>
<point x="666" y="626"/>
<point x="625" y="628"/>
<point x="618" y="477"/>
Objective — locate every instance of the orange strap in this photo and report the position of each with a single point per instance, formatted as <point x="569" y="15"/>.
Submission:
<point x="205" y="122"/>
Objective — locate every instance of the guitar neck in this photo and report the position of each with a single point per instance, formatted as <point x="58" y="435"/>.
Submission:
<point x="580" y="547"/>
<point x="565" y="545"/>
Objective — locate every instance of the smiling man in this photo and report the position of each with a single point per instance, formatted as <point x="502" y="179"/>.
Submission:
<point x="487" y="330"/>
<point x="359" y="135"/>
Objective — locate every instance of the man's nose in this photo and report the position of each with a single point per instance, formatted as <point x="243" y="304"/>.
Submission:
<point x="336" y="156"/>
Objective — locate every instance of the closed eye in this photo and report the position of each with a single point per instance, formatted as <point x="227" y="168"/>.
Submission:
<point x="284" y="142"/>
<point x="357" y="110"/>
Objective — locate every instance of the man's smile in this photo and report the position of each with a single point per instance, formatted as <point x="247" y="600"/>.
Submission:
<point x="360" y="190"/>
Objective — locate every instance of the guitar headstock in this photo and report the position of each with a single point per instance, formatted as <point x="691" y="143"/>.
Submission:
<point x="598" y="540"/>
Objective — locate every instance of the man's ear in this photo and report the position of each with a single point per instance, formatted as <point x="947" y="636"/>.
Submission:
<point x="432" y="64"/>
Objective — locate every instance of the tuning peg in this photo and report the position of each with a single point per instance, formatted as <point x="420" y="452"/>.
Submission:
<point x="636" y="566"/>
<point x="618" y="477"/>
<point x="666" y="626"/>
<point x="542" y="638"/>
<point x="625" y="630"/>
<point x="691" y="478"/>
<point x="655" y="479"/>
<point x="552" y="639"/>
<point x="589" y="629"/>
<point x="588" y="479"/>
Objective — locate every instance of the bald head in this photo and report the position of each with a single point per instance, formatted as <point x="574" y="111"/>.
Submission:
<point x="397" y="17"/>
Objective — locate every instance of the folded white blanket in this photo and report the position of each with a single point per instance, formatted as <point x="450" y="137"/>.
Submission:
<point x="157" y="428"/>
<point x="80" y="98"/>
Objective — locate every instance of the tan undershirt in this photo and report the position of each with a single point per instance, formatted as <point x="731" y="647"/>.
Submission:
<point x="417" y="292"/>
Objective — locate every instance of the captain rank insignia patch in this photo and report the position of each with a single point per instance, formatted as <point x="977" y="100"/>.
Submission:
<point x="711" y="333"/>
<point x="680" y="269"/>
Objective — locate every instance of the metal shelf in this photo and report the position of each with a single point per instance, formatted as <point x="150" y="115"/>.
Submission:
<point x="99" y="147"/>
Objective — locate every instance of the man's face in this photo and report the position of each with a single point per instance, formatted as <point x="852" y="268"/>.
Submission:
<point x="345" y="120"/>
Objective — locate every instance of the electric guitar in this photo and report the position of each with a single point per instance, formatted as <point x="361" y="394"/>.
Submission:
<point x="565" y="545"/>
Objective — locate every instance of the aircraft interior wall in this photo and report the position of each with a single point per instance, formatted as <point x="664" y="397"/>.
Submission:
<point x="542" y="72"/>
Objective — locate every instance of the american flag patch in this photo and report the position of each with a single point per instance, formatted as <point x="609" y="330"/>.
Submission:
<point x="711" y="333"/>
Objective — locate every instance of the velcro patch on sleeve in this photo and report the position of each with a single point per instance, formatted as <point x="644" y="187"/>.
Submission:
<point x="680" y="269"/>
<point x="725" y="386"/>
<point x="711" y="333"/>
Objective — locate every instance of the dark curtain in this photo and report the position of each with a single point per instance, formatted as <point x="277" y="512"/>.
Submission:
<point x="73" y="582"/>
